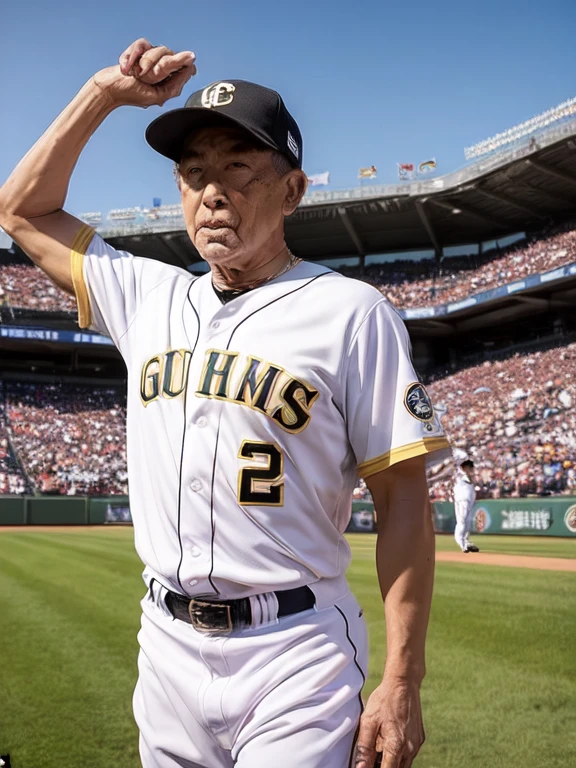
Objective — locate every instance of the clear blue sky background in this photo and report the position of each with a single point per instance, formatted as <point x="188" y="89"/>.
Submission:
<point x="370" y="82"/>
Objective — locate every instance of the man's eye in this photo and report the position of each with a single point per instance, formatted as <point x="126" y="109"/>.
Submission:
<point x="238" y="165"/>
<point x="193" y="170"/>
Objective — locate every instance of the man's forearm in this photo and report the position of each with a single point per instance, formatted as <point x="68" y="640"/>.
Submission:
<point x="392" y="720"/>
<point x="39" y="183"/>
<point x="405" y="562"/>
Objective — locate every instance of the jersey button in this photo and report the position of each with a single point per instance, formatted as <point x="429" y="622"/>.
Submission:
<point x="193" y="583"/>
<point x="202" y="422"/>
<point x="215" y="325"/>
<point x="196" y="485"/>
<point x="195" y="552"/>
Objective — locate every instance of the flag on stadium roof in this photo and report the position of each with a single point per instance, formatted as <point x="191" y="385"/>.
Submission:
<point x="427" y="166"/>
<point x="319" y="179"/>
<point x="405" y="171"/>
<point x="367" y="173"/>
<point x="156" y="202"/>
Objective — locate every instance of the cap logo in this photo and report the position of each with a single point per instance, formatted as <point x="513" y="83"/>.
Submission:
<point x="218" y="95"/>
<point x="293" y="145"/>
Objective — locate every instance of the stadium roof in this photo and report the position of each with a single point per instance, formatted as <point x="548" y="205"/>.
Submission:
<point x="518" y="190"/>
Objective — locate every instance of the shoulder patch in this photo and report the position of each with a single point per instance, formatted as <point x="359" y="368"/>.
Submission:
<point x="418" y="403"/>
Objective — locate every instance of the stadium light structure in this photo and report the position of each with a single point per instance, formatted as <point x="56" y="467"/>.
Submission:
<point x="93" y="217"/>
<point x="522" y="130"/>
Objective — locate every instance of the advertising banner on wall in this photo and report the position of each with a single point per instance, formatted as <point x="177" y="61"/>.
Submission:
<point x="547" y="516"/>
<point x="118" y="512"/>
<point x="362" y="520"/>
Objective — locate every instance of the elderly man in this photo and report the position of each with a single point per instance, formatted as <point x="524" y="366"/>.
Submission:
<point x="256" y="395"/>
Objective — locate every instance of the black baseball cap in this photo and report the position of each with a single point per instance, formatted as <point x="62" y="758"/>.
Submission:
<point x="258" y="110"/>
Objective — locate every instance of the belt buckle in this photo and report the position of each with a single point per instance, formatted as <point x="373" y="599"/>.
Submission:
<point x="210" y="617"/>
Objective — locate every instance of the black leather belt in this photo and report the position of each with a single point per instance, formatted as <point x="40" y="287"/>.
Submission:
<point x="226" y="615"/>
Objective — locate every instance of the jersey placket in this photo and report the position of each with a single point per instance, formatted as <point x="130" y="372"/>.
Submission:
<point x="200" y="458"/>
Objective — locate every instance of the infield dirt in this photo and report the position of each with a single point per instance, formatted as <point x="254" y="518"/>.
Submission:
<point x="515" y="561"/>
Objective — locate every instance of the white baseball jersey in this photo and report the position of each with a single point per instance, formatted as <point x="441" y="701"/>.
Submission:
<point x="464" y="489"/>
<point x="464" y="498"/>
<point x="249" y="422"/>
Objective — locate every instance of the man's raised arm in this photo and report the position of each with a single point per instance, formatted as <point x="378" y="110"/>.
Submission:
<point x="33" y="197"/>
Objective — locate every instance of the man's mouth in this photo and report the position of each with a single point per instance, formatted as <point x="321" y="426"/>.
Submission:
<point x="214" y="227"/>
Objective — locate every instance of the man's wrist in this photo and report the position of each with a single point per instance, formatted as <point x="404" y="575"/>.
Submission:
<point x="100" y="88"/>
<point x="404" y="670"/>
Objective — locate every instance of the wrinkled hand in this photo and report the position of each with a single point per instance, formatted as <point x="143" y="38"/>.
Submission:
<point x="391" y="724"/>
<point x="146" y="75"/>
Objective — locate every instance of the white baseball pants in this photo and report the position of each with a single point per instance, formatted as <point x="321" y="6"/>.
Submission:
<point x="463" y="510"/>
<point x="283" y="695"/>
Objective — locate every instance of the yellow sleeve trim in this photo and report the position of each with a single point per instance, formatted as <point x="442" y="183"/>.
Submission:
<point x="81" y="242"/>
<point x="427" y="445"/>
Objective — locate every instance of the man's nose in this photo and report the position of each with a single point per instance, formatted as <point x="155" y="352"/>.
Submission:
<point x="214" y="197"/>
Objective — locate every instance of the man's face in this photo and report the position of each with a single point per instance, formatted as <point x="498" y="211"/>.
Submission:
<point x="232" y="196"/>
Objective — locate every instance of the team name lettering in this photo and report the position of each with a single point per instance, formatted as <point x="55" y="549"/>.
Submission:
<point x="215" y="377"/>
<point x="170" y="369"/>
<point x="262" y="386"/>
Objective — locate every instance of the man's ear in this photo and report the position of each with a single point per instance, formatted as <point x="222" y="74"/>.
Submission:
<point x="296" y="185"/>
<point x="177" y="177"/>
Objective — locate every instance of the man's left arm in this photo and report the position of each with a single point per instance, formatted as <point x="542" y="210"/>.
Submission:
<point x="392" y="720"/>
<point x="393" y="430"/>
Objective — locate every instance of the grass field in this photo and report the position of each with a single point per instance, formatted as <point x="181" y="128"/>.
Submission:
<point x="500" y="690"/>
<point x="536" y="546"/>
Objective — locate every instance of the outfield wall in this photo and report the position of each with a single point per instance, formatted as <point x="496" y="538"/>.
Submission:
<point x="62" y="510"/>
<point x="548" y="516"/>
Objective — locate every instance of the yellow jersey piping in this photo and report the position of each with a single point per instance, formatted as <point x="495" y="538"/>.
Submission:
<point x="386" y="460"/>
<point x="79" y="246"/>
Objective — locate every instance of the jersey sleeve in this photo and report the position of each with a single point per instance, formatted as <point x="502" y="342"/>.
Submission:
<point x="389" y="415"/>
<point x="110" y="285"/>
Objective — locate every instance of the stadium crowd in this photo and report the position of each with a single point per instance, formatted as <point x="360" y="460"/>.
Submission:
<point x="12" y="480"/>
<point x="516" y="418"/>
<point x="405" y="284"/>
<point x="28" y="287"/>
<point x="419" y="284"/>
<point x="69" y="438"/>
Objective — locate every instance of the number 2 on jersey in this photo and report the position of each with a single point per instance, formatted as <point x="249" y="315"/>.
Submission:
<point x="259" y="484"/>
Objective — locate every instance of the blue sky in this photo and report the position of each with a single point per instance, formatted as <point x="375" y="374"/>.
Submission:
<point x="369" y="82"/>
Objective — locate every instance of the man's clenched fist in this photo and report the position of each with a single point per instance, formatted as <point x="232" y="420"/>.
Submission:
<point x="146" y="75"/>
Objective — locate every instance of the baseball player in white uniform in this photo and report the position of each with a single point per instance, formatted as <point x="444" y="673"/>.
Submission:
<point x="256" y="395"/>
<point x="464" y="498"/>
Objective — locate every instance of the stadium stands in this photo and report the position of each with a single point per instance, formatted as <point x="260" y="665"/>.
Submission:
<point x="523" y="131"/>
<point x="516" y="419"/>
<point x="422" y="284"/>
<point x="70" y="438"/>
<point x="12" y="479"/>
<point x="165" y="212"/>
<point x="27" y="287"/>
<point x="125" y="214"/>
<point x="406" y="284"/>
<point x="92" y="217"/>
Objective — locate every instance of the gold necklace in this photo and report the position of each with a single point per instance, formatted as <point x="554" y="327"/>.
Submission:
<point x="290" y="264"/>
